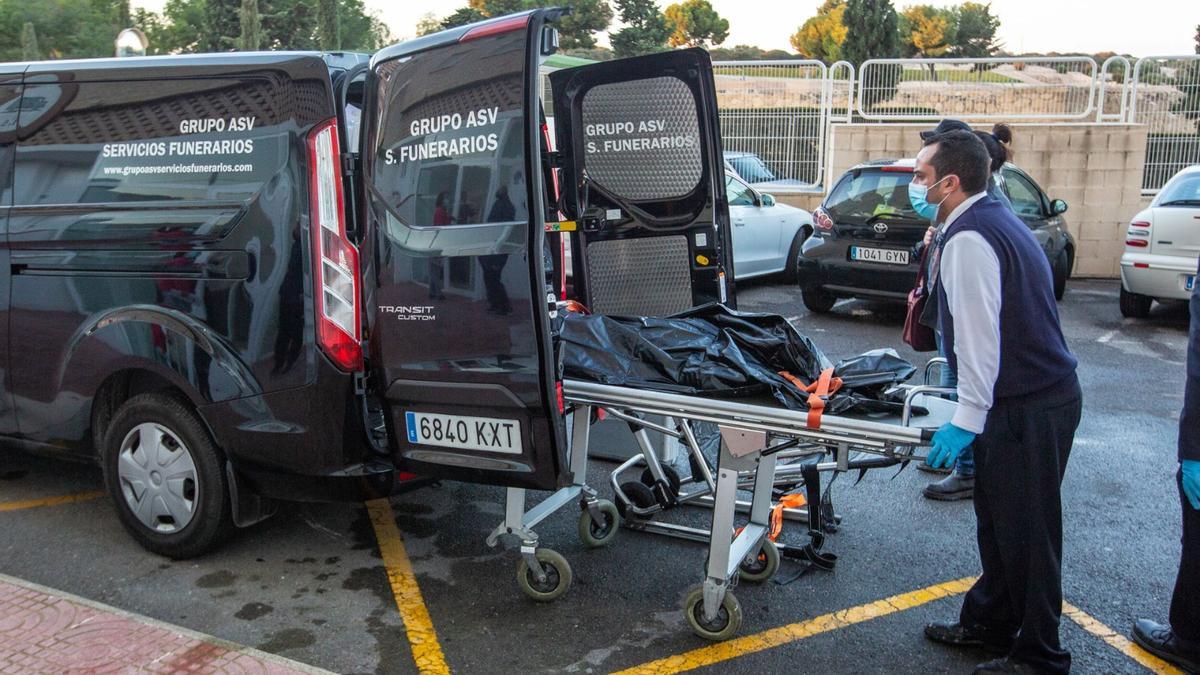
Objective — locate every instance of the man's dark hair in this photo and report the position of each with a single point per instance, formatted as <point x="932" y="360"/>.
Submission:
<point x="961" y="153"/>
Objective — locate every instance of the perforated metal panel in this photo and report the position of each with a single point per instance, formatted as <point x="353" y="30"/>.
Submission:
<point x="642" y="138"/>
<point x="641" y="277"/>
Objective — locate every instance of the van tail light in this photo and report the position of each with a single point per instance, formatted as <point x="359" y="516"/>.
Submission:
<point x="560" y="398"/>
<point x="822" y="220"/>
<point x="336" y="289"/>
<point x="1137" y="243"/>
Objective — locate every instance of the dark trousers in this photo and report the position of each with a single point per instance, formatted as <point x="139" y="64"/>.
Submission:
<point x="1185" y="603"/>
<point x="1020" y="459"/>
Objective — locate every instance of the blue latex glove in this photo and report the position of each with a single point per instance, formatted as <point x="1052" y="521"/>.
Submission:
<point x="1191" y="481"/>
<point x="948" y="444"/>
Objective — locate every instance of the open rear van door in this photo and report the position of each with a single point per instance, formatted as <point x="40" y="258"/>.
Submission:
<point x="639" y="148"/>
<point x="458" y="317"/>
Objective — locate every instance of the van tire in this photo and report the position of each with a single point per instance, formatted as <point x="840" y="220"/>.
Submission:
<point x="195" y="491"/>
<point x="1134" y="305"/>
<point x="817" y="299"/>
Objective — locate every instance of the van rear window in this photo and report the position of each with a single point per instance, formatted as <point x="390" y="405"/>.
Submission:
<point x="868" y="193"/>
<point x="449" y="148"/>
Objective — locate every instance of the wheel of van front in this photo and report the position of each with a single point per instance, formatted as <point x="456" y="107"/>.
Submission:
<point x="818" y="300"/>
<point x="166" y="477"/>
<point x="1134" y="305"/>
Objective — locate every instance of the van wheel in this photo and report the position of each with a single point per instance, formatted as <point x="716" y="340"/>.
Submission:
<point x="818" y="300"/>
<point x="166" y="477"/>
<point x="1061" y="270"/>
<point x="792" y="272"/>
<point x="1134" y="305"/>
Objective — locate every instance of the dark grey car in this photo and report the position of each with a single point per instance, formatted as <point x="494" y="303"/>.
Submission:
<point x="865" y="231"/>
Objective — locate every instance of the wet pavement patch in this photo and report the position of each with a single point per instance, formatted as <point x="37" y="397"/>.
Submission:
<point x="288" y="638"/>
<point x="216" y="579"/>
<point x="253" y="610"/>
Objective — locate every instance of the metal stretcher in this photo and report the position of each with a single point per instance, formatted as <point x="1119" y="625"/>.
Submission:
<point x="754" y="436"/>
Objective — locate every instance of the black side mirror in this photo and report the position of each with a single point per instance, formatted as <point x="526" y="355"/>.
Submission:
<point x="1058" y="207"/>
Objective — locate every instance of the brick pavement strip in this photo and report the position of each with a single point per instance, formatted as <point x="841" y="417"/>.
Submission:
<point x="46" y="631"/>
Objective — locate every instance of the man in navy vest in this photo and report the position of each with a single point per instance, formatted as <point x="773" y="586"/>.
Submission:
<point x="1018" y="401"/>
<point x="1179" y="642"/>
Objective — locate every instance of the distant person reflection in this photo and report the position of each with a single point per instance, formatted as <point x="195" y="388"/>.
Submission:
<point x="441" y="216"/>
<point x="502" y="211"/>
<point x="290" y="336"/>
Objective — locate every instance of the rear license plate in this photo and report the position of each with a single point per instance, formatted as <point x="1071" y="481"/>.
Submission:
<point x="887" y="256"/>
<point x="467" y="433"/>
<point x="1190" y="283"/>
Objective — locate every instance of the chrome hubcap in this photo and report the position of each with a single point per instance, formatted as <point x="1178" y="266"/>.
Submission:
<point x="158" y="478"/>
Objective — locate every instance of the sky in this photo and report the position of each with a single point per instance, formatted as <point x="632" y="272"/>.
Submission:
<point x="1160" y="27"/>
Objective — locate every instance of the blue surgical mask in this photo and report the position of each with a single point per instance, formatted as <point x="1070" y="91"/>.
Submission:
<point x="916" y="197"/>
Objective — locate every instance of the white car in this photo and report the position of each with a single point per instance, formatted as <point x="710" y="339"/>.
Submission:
<point x="767" y="236"/>
<point x="1162" y="246"/>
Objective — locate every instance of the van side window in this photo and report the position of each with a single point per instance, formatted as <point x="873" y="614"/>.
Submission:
<point x="10" y="105"/>
<point x="450" y="148"/>
<point x="104" y="142"/>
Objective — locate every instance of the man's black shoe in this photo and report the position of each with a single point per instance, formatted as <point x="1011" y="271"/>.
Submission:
<point x="1006" y="665"/>
<point x="1162" y="642"/>
<point x="957" y="635"/>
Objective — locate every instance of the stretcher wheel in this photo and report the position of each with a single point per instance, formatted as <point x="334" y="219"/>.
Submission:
<point x="558" y="576"/>
<point x="639" y="495"/>
<point x="726" y="624"/>
<point x="673" y="482"/>
<point x="594" y="534"/>
<point x="763" y="566"/>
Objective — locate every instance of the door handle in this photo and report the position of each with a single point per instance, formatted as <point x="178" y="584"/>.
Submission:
<point x="739" y="223"/>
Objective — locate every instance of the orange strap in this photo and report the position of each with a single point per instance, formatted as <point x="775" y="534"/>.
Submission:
<point x="818" y="393"/>
<point x="793" y="501"/>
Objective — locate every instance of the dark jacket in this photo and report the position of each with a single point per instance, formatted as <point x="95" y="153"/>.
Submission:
<point x="1189" y="419"/>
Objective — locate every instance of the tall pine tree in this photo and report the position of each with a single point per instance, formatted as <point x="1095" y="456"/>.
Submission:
<point x="328" y="34"/>
<point x="29" y="45"/>
<point x="646" y="30"/>
<point x="251" y="38"/>
<point x="222" y="24"/>
<point x="872" y="33"/>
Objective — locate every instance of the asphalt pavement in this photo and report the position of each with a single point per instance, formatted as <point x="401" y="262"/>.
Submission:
<point x="318" y="583"/>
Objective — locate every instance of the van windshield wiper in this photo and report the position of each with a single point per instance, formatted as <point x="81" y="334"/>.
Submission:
<point x="887" y="215"/>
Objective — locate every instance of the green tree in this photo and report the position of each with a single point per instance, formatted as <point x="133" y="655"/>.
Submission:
<point x="251" y="37"/>
<point x="871" y="31"/>
<point x="926" y="31"/>
<point x="64" y="28"/>
<point x="328" y="33"/>
<point x="645" y="29"/>
<point x="29" y="45"/>
<point x="361" y="30"/>
<point x="694" y="23"/>
<point x="288" y="24"/>
<point x="462" y="17"/>
<point x="974" y="31"/>
<point x="821" y="36"/>
<point x="222" y="26"/>
<point x="1198" y="38"/>
<point x="428" y="23"/>
<point x="748" y="53"/>
<point x="588" y="17"/>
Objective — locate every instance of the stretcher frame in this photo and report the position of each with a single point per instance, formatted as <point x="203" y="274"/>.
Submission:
<point x="752" y="438"/>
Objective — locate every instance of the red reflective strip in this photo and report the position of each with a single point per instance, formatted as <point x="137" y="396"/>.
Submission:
<point x="1143" y="266"/>
<point x="1137" y="243"/>
<point x="562" y="404"/>
<point x="496" y="28"/>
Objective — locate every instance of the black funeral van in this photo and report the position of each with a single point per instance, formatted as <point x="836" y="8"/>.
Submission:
<point x="241" y="279"/>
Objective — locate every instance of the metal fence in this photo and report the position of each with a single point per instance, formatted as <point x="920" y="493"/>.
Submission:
<point x="777" y="110"/>
<point x="1166" y="98"/>
<point x="1058" y="88"/>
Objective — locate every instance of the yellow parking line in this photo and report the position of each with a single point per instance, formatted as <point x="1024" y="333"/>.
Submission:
<point x="427" y="652"/>
<point x="1118" y="641"/>
<point x="50" y="501"/>
<point x="775" y="637"/>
